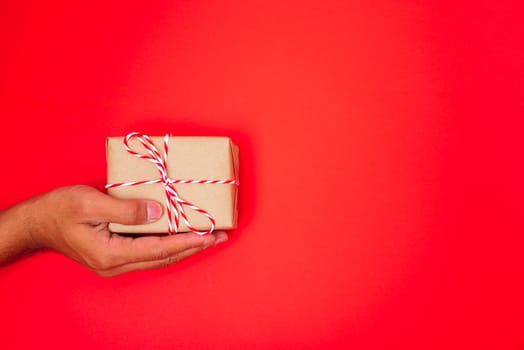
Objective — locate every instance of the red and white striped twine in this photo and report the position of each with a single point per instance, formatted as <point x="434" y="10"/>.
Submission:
<point x="174" y="204"/>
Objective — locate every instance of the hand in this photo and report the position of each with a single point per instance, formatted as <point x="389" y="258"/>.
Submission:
<point x="74" y="221"/>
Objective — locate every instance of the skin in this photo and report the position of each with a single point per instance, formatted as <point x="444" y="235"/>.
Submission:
<point x="74" y="221"/>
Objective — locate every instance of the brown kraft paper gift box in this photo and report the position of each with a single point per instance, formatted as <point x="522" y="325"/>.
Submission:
<point x="189" y="157"/>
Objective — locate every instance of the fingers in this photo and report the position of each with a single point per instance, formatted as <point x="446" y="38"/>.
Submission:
<point x="150" y="248"/>
<point x="147" y="254"/>
<point x="124" y="211"/>
<point x="148" y="265"/>
<point x="124" y="250"/>
<point x="81" y="225"/>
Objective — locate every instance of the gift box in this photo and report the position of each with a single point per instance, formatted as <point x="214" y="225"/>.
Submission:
<point x="194" y="178"/>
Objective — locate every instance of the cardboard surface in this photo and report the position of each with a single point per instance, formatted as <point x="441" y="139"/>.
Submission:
<point x="202" y="158"/>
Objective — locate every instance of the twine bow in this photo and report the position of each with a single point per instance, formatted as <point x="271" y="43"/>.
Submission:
<point x="174" y="203"/>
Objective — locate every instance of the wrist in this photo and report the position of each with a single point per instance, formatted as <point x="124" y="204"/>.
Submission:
<point x="31" y="224"/>
<point x="16" y="237"/>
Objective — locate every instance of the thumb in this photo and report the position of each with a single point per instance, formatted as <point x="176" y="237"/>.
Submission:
<point x="129" y="211"/>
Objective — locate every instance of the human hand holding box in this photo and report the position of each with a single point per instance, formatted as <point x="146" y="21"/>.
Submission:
<point x="199" y="173"/>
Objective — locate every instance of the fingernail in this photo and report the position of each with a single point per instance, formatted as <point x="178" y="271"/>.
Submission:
<point x="221" y="239"/>
<point x="154" y="211"/>
<point x="208" y="243"/>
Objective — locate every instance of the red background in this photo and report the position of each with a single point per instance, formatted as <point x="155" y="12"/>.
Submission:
<point x="381" y="166"/>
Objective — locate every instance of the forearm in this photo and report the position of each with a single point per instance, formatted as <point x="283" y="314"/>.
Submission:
<point x="15" y="232"/>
